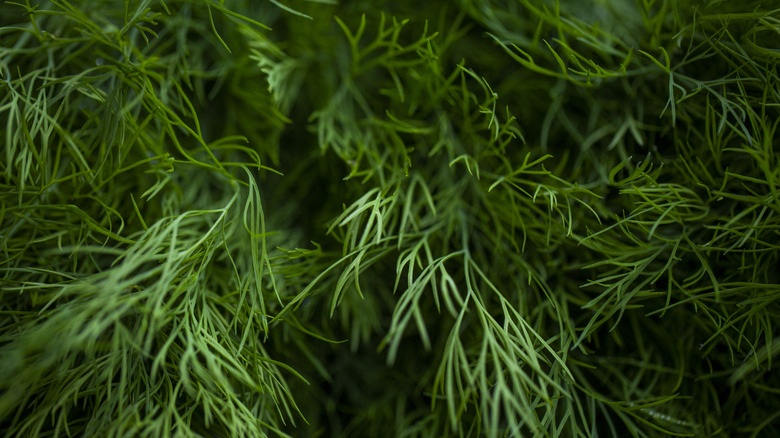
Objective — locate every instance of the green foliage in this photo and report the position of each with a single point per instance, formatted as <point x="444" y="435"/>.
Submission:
<point x="322" y="218"/>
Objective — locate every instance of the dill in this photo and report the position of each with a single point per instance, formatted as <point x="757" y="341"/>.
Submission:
<point x="322" y="218"/>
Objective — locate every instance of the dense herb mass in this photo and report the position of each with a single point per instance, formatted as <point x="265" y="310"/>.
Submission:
<point x="446" y="218"/>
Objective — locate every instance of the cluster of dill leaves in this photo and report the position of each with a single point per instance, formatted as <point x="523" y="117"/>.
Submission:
<point x="389" y="218"/>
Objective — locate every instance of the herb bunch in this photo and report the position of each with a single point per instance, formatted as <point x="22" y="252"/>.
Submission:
<point x="322" y="218"/>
